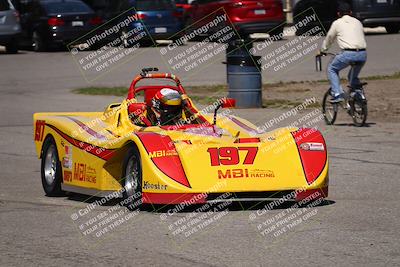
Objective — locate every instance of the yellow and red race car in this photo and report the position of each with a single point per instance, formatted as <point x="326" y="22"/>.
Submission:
<point x="119" y="153"/>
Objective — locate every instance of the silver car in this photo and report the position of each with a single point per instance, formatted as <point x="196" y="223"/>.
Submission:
<point x="10" y="28"/>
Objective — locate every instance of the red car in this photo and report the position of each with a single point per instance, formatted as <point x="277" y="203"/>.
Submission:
<point x="247" y="16"/>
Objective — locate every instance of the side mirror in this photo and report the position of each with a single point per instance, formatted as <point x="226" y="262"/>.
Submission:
<point x="225" y="103"/>
<point x="229" y="103"/>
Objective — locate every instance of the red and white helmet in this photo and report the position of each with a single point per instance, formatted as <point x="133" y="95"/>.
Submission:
<point x="167" y="106"/>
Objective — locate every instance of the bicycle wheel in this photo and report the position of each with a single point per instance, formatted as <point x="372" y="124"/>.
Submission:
<point x="328" y="109"/>
<point x="359" y="112"/>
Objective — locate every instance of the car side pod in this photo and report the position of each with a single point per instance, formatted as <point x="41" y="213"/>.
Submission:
<point x="162" y="151"/>
<point x="314" y="158"/>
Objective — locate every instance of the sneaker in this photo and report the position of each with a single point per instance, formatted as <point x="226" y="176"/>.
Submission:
<point x="337" y="99"/>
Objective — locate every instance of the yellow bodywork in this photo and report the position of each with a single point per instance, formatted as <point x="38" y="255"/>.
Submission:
<point x="277" y="165"/>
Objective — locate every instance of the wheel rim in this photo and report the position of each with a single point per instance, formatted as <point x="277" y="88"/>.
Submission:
<point x="132" y="176"/>
<point x="50" y="164"/>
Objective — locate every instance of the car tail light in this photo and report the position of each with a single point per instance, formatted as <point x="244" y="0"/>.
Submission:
<point x="177" y="14"/>
<point x="141" y="16"/>
<point x="95" y="21"/>
<point x="55" y="22"/>
<point x="312" y="151"/>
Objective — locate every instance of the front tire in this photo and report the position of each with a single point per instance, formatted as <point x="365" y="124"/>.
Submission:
<point x="391" y="29"/>
<point x="39" y="44"/>
<point x="132" y="179"/>
<point x="12" y="48"/>
<point x="51" y="169"/>
<point x="328" y="109"/>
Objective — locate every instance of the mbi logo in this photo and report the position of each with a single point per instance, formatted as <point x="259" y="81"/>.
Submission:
<point x="245" y="173"/>
<point x="233" y="173"/>
<point x="162" y="153"/>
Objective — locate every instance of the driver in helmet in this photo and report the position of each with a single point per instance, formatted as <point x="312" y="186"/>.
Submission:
<point x="165" y="107"/>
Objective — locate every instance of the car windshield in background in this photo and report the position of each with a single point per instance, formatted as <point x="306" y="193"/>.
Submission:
<point x="146" y="5"/>
<point x="66" y="7"/>
<point x="4" y="5"/>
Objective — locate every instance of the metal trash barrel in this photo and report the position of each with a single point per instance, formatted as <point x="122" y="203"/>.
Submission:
<point x="244" y="77"/>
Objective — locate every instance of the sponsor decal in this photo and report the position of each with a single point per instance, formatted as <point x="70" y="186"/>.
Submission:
<point x="162" y="153"/>
<point x="67" y="163"/>
<point x="67" y="160"/>
<point x="84" y="173"/>
<point x="39" y="130"/>
<point x="157" y="186"/>
<point x="67" y="177"/>
<point x="231" y="156"/>
<point x="245" y="173"/>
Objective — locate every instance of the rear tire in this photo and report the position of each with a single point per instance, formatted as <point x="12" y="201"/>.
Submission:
<point x="132" y="179"/>
<point x="392" y="28"/>
<point x="39" y="44"/>
<point x="12" y="48"/>
<point x="359" y="112"/>
<point x="51" y="168"/>
<point x="328" y="109"/>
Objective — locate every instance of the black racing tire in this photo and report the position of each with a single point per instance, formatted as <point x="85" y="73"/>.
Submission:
<point x="38" y="42"/>
<point x="359" y="112"/>
<point x="328" y="109"/>
<point x="51" y="168"/>
<point x="131" y="180"/>
<point x="392" y="28"/>
<point x="12" y="48"/>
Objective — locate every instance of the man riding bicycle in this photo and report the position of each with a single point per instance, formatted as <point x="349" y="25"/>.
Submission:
<point x="349" y="33"/>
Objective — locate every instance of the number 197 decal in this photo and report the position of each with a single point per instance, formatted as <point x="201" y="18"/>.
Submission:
<point x="230" y="155"/>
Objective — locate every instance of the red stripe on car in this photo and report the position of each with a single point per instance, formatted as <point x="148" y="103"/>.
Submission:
<point x="103" y="153"/>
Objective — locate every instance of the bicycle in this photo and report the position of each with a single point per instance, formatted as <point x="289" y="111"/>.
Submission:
<point x="355" y="100"/>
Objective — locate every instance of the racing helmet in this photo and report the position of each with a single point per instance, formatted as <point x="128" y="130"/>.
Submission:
<point x="167" y="106"/>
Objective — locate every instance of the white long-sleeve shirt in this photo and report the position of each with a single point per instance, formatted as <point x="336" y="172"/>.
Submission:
<point x="349" y="33"/>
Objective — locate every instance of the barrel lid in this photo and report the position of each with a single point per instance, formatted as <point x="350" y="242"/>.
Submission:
<point x="243" y="60"/>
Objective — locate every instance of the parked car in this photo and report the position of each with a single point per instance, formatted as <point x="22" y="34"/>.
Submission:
<point x="160" y="18"/>
<point x="9" y="26"/>
<point x="371" y="13"/>
<point x="49" y="23"/>
<point x="183" y="7"/>
<point x="247" y="16"/>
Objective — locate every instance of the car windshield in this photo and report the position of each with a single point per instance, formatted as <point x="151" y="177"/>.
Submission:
<point x="4" y="5"/>
<point x="66" y="7"/>
<point x="147" y="5"/>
